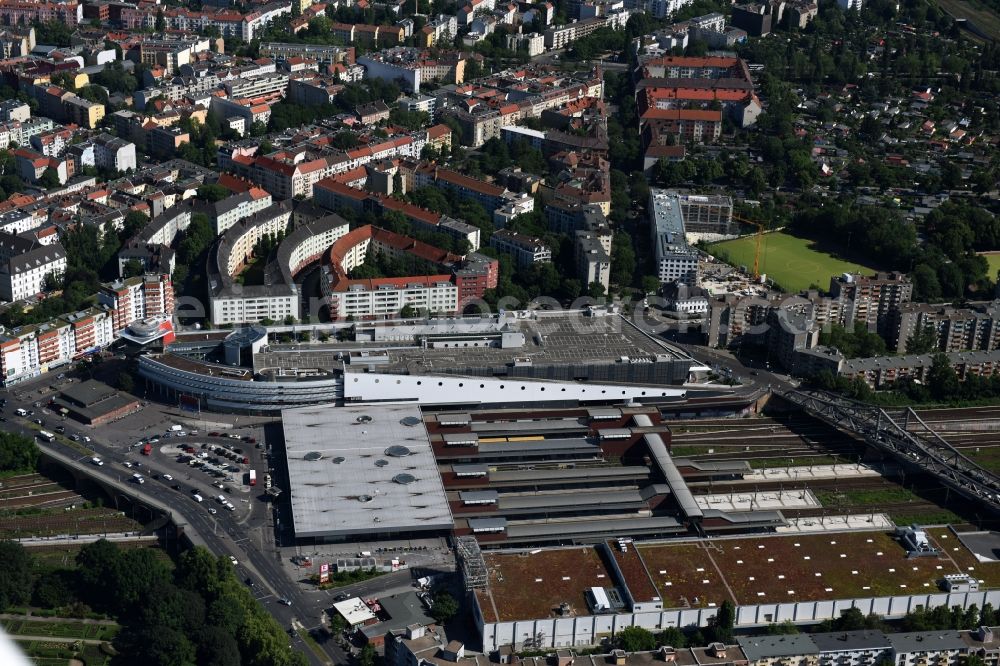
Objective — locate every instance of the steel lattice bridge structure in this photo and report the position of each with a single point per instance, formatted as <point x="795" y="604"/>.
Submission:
<point x="902" y="434"/>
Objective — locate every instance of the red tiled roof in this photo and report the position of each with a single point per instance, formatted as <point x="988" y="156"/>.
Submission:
<point x="682" y="114"/>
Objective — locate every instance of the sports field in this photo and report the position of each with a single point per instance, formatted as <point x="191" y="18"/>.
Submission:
<point x="793" y="263"/>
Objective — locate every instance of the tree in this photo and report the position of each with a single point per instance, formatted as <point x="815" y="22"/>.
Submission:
<point x="723" y="622"/>
<point x="125" y="382"/>
<point x="15" y="574"/>
<point x="367" y="656"/>
<point x="217" y="647"/>
<point x="212" y="192"/>
<point x="52" y="282"/>
<point x="596" y="290"/>
<point x="622" y="259"/>
<point x="942" y="378"/>
<point x="133" y="268"/>
<point x="635" y="639"/>
<point x="673" y="637"/>
<point x="650" y="284"/>
<point x="923" y="341"/>
<point x="445" y="607"/>
<point x="17" y="453"/>
<point x="851" y="619"/>
<point x="49" y="179"/>
<point x="161" y="22"/>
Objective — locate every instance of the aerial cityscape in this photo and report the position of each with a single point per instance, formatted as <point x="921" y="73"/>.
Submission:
<point x="473" y="332"/>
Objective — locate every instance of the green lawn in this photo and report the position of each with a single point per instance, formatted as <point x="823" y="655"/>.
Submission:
<point x="792" y="263"/>
<point x="993" y="258"/>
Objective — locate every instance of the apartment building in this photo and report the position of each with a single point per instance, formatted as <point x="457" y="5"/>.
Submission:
<point x="957" y="329"/>
<point x="675" y="259"/>
<point x="25" y="263"/>
<point x="131" y="299"/>
<point x="525" y="249"/>
<point x="593" y="257"/>
<point x="264" y="85"/>
<point x="83" y="112"/>
<point x="460" y="279"/>
<point x="711" y="214"/>
<point x="489" y="195"/>
<point x="226" y="212"/>
<point x="870" y="299"/>
<point x="321" y="53"/>
<point x="113" y="153"/>
<point x="21" y="12"/>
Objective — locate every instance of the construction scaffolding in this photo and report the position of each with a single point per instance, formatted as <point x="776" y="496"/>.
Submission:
<point x="471" y="560"/>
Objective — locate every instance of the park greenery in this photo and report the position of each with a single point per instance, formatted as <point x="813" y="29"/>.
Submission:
<point x="194" y="613"/>
<point x="18" y="454"/>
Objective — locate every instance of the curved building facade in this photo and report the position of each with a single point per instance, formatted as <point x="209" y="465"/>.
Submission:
<point x="222" y="388"/>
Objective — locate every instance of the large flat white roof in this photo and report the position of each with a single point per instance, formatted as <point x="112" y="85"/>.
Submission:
<point x="347" y="481"/>
<point x="354" y="610"/>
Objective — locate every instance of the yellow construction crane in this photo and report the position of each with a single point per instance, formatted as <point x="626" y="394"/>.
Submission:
<point x="757" y="239"/>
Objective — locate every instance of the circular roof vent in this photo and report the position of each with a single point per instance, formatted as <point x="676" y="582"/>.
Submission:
<point x="404" y="479"/>
<point x="338" y="460"/>
<point x="410" y="421"/>
<point x="381" y="463"/>
<point x="312" y="456"/>
<point x="364" y="418"/>
<point x="398" y="451"/>
<point x="364" y="499"/>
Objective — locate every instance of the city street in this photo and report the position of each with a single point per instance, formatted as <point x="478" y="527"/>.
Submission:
<point x="247" y="534"/>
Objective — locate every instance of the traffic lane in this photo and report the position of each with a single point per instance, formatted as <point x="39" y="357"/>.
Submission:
<point x="224" y="543"/>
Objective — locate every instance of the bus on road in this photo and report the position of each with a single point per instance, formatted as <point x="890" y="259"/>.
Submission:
<point x="46" y="436"/>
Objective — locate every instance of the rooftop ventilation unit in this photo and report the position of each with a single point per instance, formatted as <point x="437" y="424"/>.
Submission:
<point x="312" y="456"/>
<point x="398" y="451"/>
<point x="404" y="479"/>
<point x="410" y="421"/>
<point x="338" y="460"/>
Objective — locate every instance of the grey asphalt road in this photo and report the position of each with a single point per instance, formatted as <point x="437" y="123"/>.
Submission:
<point x="222" y="534"/>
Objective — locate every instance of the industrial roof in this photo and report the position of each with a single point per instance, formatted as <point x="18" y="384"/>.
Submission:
<point x="346" y="481"/>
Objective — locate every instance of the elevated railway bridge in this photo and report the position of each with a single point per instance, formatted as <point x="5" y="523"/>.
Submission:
<point x="902" y="434"/>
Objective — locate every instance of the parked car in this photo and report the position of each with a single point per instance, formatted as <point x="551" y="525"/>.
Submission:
<point x="233" y="560"/>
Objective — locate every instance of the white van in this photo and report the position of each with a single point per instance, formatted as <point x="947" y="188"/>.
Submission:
<point x="21" y="412"/>
<point x="198" y="498"/>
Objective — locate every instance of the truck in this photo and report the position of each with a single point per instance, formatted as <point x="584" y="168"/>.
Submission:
<point x="147" y="449"/>
<point x="253" y="477"/>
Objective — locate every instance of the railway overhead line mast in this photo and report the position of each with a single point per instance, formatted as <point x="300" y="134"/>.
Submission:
<point x="902" y="434"/>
